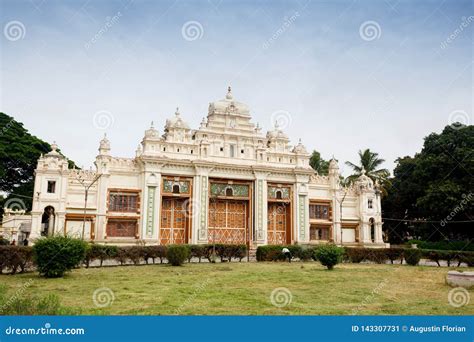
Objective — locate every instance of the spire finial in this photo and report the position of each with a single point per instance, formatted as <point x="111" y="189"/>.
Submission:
<point x="229" y="95"/>
<point x="177" y="111"/>
<point x="152" y="124"/>
<point x="276" y="125"/>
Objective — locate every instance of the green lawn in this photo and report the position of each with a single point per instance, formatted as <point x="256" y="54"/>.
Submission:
<point x="245" y="288"/>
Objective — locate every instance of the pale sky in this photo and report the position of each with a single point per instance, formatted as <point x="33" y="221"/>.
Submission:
<point x="342" y="75"/>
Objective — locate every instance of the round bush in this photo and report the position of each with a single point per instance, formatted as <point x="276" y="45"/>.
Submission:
<point x="412" y="256"/>
<point x="56" y="255"/>
<point x="329" y="255"/>
<point x="177" y="254"/>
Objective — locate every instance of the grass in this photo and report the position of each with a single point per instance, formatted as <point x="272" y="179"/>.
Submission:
<point x="245" y="289"/>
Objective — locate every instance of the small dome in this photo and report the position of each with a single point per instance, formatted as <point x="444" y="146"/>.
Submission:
<point x="228" y="105"/>
<point x="364" y="182"/>
<point x="333" y="164"/>
<point x="151" y="132"/>
<point x="276" y="133"/>
<point x="176" y="122"/>
<point x="300" y="149"/>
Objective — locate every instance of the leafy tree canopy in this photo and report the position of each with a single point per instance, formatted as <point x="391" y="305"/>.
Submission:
<point x="437" y="184"/>
<point x="19" y="153"/>
<point x="320" y="165"/>
<point x="369" y="162"/>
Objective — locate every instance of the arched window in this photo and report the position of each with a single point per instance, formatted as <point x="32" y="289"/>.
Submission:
<point x="47" y="221"/>
<point x="278" y="194"/>
<point x="372" y="229"/>
<point x="229" y="192"/>
<point x="176" y="189"/>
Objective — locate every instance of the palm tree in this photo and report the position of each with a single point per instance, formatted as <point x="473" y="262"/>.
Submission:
<point x="370" y="163"/>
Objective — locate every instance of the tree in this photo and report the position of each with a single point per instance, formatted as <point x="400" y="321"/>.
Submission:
<point x="320" y="165"/>
<point x="369" y="162"/>
<point x="433" y="189"/>
<point x="19" y="153"/>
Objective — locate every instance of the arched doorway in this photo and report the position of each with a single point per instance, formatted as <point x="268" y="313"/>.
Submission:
<point x="372" y="229"/>
<point x="47" y="221"/>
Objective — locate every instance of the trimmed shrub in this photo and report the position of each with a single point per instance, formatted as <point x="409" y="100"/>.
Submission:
<point x="57" y="255"/>
<point x="467" y="258"/>
<point x="308" y="253"/>
<point x="99" y="252"/>
<point x="177" y="254"/>
<point x="412" y="256"/>
<point x="444" y="245"/>
<point x="14" y="258"/>
<point x="274" y="252"/>
<point x="394" y="254"/>
<point x="329" y="255"/>
<point x="355" y="255"/>
<point x="154" y="252"/>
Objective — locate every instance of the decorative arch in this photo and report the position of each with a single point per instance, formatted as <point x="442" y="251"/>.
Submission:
<point x="47" y="221"/>
<point x="372" y="229"/>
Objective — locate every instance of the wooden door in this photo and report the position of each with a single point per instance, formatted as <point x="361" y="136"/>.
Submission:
<point x="277" y="224"/>
<point x="228" y="222"/>
<point x="173" y="221"/>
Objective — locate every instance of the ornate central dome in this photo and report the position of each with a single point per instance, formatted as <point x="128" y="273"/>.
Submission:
<point x="228" y="105"/>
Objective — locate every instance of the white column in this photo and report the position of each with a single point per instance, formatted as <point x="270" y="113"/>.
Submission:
<point x="260" y="208"/>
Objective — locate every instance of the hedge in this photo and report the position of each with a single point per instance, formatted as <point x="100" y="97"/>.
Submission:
<point x="444" y="245"/>
<point x="177" y="254"/>
<point x="274" y="252"/>
<point x="14" y="258"/>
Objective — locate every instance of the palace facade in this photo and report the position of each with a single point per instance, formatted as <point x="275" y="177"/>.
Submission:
<point x="225" y="182"/>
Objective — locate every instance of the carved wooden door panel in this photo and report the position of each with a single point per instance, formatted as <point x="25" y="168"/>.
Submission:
<point x="228" y="222"/>
<point x="173" y="221"/>
<point x="277" y="224"/>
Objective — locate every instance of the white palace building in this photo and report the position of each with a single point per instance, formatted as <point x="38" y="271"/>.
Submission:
<point x="225" y="182"/>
